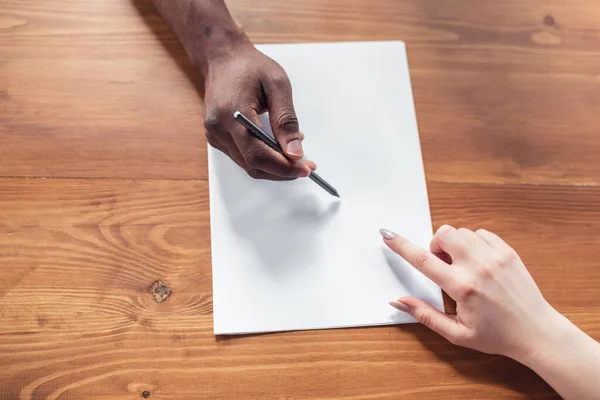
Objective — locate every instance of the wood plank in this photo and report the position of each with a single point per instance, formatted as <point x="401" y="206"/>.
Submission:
<point x="78" y="258"/>
<point x="543" y="223"/>
<point x="553" y="228"/>
<point x="504" y="91"/>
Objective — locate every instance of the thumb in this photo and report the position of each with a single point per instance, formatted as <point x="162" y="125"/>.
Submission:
<point x="432" y="318"/>
<point x="282" y="116"/>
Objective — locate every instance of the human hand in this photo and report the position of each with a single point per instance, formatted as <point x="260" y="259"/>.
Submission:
<point x="243" y="79"/>
<point x="499" y="308"/>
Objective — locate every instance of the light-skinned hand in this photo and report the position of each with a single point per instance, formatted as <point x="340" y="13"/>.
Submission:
<point x="499" y="308"/>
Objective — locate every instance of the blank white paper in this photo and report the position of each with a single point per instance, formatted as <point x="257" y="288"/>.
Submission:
<point x="289" y="256"/>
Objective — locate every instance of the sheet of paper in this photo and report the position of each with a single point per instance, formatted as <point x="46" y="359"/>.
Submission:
<point x="289" y="256"/>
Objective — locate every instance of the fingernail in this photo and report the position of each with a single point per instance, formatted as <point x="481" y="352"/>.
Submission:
<point x="294" y="148"/>
<point x="388" y="235"/>
<point x="400" y="306"/>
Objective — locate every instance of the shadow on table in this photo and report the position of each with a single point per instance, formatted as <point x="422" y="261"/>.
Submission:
<point x="169" y="41"/>
<point x="479" y="368"/>
<point x="483" y="368"/>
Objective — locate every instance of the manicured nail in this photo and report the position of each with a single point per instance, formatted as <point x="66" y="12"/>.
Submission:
<point x="294" y="148"/>
<point x="388" y="235"/>
<point x="400" y="306"/>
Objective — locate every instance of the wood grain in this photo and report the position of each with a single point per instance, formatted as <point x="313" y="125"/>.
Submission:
<point x="103" y="192"/>
<point x="502" y="95"/>
<point x="79" y="258"/>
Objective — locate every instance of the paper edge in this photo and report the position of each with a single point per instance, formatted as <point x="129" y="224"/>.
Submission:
<point x="409" y="320"/>
<point x="211" y="189"/>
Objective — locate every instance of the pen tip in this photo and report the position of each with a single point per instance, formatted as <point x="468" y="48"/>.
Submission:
<point x="236" y="114"/>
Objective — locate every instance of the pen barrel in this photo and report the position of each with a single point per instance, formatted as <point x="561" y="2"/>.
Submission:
<point x="321" y="182"/>
<point x="272" y="143"/>
<point x="256" y="131"/>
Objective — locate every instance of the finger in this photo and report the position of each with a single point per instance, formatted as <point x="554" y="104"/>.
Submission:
<point x="233" y="152"/>
<point x="310" y="164"/>
<point x="261" y="175"/>
<point x="470" y="237"/>
<point x="478" y="249"/>
<point x="458" y="244"/>
<point x="434" y="245"/>
<point x="445" y="257"/>
<point x="282" y="116"/>
<point x="227" y="146"/>
<point x="261" y="157"/>
<point x="432" y="318"/>
<point x="493" y="240"/>
<point x="425" y="262"/>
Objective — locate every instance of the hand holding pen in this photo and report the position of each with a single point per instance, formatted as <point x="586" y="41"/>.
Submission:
<point x="272" y="143"/>
<point x="253" y="83"/>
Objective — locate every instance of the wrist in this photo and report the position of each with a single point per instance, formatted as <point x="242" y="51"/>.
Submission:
<point x="225" y="51"/>
<point x="214" y="40"/>
<point x="225" y="46"/>
<point x="554" y="330"/>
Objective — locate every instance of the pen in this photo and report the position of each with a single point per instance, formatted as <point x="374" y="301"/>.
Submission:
<point x="272" y="143"/>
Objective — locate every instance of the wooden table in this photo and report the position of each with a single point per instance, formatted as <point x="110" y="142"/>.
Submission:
<point x="103" y="191"/>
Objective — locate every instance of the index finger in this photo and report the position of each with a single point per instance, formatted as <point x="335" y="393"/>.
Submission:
<point x="424" y="261"/>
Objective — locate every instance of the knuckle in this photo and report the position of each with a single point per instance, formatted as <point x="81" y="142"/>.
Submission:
<point x="212" y="121"/>
<point x="254" y="173"/>
<point x="513" y="256"/>
<point x="467" y="290"/>
<point x="497" y="260"/>
<point x="456" y="240"/>
<point x="256" y="158"/>
<point x="486" y="272"/>
<point x="444" y="238"/>
<point x="422" y="259"/>
<point x="425" y="319"/>
<point x="463" y="231"/>
<point x="280" y="78"/>
<point x="287" y="121"/>
<point x="507" y="259"/>
<point x="443" y="230"/>
<point x="448" y="236"/>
